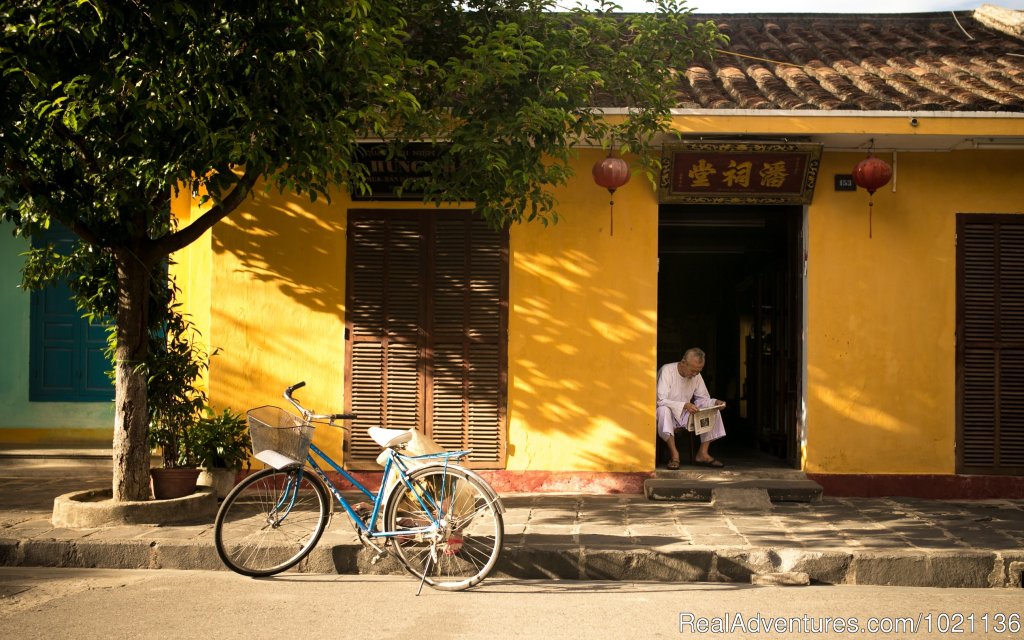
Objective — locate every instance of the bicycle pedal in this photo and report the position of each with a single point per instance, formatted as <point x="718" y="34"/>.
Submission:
<point x="377" y="557"/>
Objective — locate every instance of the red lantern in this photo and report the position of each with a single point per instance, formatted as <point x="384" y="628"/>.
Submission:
<point x="871" y="173"/>
<point x="611" y="173"/>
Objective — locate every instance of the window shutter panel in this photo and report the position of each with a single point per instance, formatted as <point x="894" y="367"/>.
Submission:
<point x="1011" y="411"/>
<point x="366" y="396"/>
<point x="95" y="376"/>
<point x="979" y="409"/>
<point x="979" y="290"/>
<point x="991" y="351"/>
<point x="1011" y="335"/>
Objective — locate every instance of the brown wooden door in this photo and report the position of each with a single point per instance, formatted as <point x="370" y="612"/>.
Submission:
<point x="427" y="314"/>
<point x="990" y="344"/>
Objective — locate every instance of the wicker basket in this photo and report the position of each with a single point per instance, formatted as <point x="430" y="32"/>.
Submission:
<point x="272" y="428"/>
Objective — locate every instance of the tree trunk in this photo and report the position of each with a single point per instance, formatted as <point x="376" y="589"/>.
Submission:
<point x="131" y="448"/>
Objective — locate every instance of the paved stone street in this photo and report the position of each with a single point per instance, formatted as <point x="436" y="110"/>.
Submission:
<point x="893" y="541"/>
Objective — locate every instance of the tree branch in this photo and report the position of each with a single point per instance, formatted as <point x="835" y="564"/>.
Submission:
<point x="79" y="143"/>
<point x="82" y="231"/>
<point x="43" y="191"/>
<point x="186" y="236"/>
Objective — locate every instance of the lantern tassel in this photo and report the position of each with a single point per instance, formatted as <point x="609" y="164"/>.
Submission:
<point x="611" y="216"/>
<point x="870" y="209"/>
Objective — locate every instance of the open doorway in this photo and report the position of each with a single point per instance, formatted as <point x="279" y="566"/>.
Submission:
<point x="730" y="282"/>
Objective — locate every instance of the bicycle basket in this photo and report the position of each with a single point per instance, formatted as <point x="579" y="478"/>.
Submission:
<point x="272" y="428"/>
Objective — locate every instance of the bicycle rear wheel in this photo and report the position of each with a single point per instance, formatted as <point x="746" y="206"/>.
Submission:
<point x="271" y="521"/>
<point x="465" y="547"/>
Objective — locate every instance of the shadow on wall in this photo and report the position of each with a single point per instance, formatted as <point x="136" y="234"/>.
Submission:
<point x="582" y="366"/>
<point x="855" y="433"/>
<point x="288" y="245"/>
<point x="278" y="307"/>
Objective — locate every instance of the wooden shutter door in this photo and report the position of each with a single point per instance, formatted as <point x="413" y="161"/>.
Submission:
<point x="383" y="386"/>
<point x="467" y="339"/>
<point x="426" y="309"/>
<point x="990" y="344"/>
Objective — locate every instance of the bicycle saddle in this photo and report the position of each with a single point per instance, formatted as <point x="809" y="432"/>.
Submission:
<point x="389" y="437"/>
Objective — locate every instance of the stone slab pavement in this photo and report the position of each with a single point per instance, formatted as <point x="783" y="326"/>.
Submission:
<point x="890" y="541"/>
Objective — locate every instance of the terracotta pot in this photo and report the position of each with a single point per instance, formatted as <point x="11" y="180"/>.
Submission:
<point x="173" y="483"/>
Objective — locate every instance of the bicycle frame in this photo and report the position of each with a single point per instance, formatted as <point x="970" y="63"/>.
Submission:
<point x="397" y="462"/>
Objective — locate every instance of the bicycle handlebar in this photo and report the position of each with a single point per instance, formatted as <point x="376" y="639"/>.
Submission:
<point x="309" y="415"/>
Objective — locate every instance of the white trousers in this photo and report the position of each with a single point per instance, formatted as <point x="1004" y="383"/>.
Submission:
<point x="667" y="425"/>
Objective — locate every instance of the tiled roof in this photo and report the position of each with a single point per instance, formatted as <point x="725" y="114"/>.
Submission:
<point x="882" y="62"/>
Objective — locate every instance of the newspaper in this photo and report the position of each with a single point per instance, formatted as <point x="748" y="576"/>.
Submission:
<point x="704" y="420"/>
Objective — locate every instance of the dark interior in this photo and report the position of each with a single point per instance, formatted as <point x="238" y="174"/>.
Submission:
<point x="730" y="282"/>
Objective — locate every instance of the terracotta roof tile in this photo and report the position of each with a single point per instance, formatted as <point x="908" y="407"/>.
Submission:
<point x="885" y="62"/>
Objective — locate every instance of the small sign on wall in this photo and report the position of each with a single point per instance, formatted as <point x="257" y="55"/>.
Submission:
<point x="388" y="172"/>
<point x="844" y="182"/>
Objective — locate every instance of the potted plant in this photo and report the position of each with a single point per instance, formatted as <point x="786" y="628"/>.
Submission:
<point x="175" y="404"/>
<point x="221" y="443"/>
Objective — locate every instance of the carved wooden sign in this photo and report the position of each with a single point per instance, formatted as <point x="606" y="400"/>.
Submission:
<point x="739" y="172"/>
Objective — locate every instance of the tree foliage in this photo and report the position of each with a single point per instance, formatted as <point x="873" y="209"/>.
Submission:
<point x="109" y="106"/>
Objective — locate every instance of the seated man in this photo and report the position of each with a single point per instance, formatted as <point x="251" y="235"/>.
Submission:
<point x="681" y="393"/>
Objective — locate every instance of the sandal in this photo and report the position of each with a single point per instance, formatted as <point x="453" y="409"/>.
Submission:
<point x="713" y="463"/>
<point x="672" y="465"/>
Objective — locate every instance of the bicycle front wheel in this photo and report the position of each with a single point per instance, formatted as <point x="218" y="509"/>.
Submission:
<point x="464" y="546"/>
<point x="271" y="521"/>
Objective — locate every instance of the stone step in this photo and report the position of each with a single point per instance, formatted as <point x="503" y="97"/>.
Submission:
<point x="731" y="472"/>
<point x="702" y="489"/>
<point x="53" y="459"/>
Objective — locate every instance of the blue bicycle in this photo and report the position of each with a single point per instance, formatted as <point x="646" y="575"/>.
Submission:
<point x="443" y="521"/>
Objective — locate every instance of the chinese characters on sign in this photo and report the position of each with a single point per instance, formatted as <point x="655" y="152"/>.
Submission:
<point x="389" y="175"/>
<point x="740" y="172"/>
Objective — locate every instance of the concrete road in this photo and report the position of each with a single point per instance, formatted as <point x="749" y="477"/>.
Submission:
<point x="137" y="604"/>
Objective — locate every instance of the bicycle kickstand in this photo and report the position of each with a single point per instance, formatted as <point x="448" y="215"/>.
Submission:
<point x="431" y="559"/>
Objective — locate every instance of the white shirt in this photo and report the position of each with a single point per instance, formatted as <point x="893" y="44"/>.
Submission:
<point x="674" y="390"/>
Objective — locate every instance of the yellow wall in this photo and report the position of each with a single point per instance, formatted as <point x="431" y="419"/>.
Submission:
<point x="279" y="283"/>
<point x="881" y="311"/>
<point x="582" y="321"/>
<point x="918" y="125"/>
<point x="582" y="332"/>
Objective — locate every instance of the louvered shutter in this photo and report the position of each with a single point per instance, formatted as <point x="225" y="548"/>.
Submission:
<point x="990" y="349"/>
<point x="426" y="308"/>
<point x="466" y="376"/>
<point x="383" y="311"/>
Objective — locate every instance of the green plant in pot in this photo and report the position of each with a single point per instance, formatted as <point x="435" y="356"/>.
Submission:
<point x="222" y="443"/>
<point x="176" y="405"/>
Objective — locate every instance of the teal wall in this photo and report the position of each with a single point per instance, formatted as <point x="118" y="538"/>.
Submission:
<point x="17" y="414"/>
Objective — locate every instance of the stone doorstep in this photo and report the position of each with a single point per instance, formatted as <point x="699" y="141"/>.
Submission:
<point x="729" y="473"/>
<point x="702" y="490"/>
